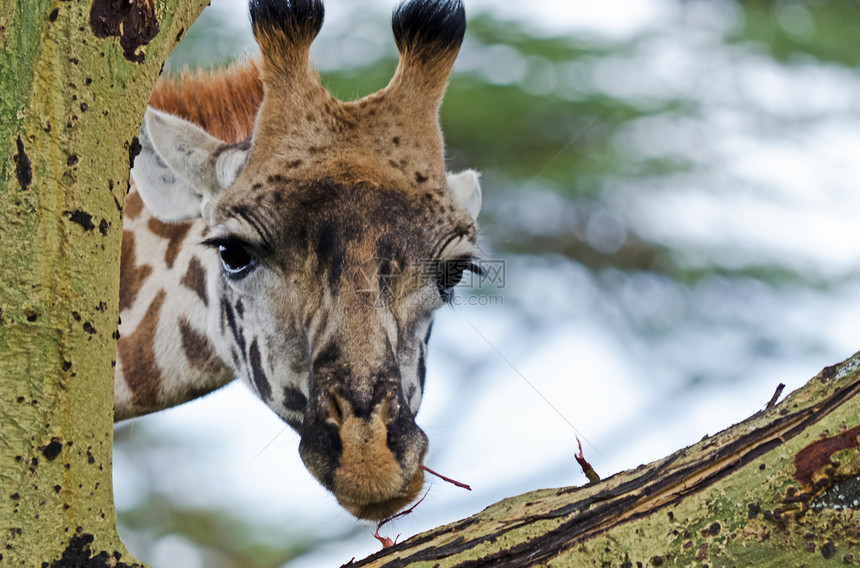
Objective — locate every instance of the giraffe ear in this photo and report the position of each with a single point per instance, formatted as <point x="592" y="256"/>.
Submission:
<point x="181" y="168"/>
<point x="467" y="190"/>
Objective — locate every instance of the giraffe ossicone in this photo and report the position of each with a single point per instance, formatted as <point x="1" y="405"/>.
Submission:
<point x="267" y="220"/>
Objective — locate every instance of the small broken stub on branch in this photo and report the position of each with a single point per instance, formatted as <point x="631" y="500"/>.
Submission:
<point x="773" y="400"/>
<point x="583" y="463"/>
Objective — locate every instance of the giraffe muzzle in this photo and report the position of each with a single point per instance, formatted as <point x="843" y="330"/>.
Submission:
<point x="368" y="456"/>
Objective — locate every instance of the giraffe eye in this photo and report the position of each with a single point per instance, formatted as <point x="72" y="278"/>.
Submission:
<point x="237" y="261"/>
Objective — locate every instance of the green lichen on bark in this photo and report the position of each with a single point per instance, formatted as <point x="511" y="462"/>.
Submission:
<point x="748" y="496"/>
<point x="70" y="106"/>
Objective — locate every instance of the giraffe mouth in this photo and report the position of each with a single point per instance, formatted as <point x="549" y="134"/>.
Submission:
<point x="379" y="510"/>
<point x="370" y="482"/>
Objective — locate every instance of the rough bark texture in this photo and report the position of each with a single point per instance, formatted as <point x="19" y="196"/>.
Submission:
<point x="780" y="489"/>
<point x="75" y="77"/>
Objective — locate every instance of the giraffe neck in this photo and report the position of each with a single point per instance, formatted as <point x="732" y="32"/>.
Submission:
<point x="172" y="347"/>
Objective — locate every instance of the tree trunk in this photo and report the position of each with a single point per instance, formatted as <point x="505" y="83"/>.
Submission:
<point x="780" y="489"/>
<point x="75" y="77"/>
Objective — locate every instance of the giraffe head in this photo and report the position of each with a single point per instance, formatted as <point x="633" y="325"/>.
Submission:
<point x="339" y="233"/>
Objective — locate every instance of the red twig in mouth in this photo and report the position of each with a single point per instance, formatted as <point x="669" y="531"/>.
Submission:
<point x="385" y="540"/>
<point x="443" y="478"/>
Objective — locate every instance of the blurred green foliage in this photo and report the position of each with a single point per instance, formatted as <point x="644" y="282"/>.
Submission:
<point x="821" y="29"/>
<point x="221" y="537"/>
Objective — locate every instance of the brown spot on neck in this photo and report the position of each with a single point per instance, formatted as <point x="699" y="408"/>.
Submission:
<point x="137" y="355"/>
<point x="195" y="279"/>
<point x="174" y="233"/>
<point x="132" y="275"/>
<point x="198" y="349"/>
<point x="133" y="205"/>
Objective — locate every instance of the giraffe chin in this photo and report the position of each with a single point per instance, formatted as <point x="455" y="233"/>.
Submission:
<point x="379" y="510"/>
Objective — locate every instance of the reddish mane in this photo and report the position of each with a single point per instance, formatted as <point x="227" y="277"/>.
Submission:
<point x="223" y="102"/>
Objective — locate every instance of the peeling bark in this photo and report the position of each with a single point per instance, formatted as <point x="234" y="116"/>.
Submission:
<point x="779" y="489"/>
<point x="70" y="100"/>
<point x="134" y="22"/>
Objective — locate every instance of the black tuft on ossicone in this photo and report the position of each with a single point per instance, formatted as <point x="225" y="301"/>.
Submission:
<point x="299" y="20"/>
<point x="421" y="25"/>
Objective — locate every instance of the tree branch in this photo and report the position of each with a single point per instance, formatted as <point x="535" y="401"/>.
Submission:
<point x="761" y="493"/>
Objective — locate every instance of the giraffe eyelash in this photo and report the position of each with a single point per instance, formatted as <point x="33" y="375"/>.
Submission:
<point x="450" y="274"/>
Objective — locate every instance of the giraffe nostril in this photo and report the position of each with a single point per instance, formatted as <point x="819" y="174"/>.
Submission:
<point x="337" y="408"/>
<point x="384" y="409"/>
<point x="389" y="408"/>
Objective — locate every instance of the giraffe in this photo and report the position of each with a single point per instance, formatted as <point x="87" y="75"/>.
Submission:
<point x="300" y="243"/>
